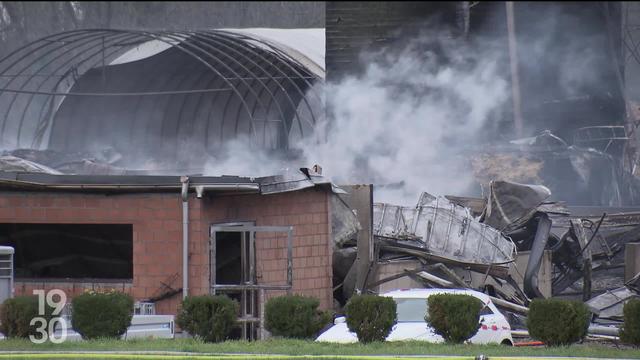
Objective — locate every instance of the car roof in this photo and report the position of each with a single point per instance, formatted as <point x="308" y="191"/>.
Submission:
<point x="425" y="293"/>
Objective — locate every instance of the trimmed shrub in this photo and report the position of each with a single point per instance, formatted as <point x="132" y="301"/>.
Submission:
<point x="101" y="314"/>
<point x="209" y="318"/>
<point x="558" y="322"/>
<point x="371" y="317"/>
<point x="295" y="316"/>
<point x="455" y="317"/>
<point x="16" y="314"/>
<point x="630" y="331"/>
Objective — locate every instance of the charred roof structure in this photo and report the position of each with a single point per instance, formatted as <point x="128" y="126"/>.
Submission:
<point x="149" y="92"/>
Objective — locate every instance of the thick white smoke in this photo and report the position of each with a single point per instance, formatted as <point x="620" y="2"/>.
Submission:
<point x="406" y="118"/>
<point x="402" y="123"/>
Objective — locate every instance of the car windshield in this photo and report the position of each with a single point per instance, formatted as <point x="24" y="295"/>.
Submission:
<point x="411" y="309"/>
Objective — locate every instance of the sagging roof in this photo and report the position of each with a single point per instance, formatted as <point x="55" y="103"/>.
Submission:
<point x="298" y="180"/>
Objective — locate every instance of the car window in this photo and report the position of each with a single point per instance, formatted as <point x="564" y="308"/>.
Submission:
<point x="411" y="309"/>
<point x="486" y="311"/>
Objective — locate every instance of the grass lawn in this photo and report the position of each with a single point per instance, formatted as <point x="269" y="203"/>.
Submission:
<point x="302" y="347"/>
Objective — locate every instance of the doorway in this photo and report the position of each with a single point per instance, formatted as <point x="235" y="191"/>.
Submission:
<point x="233" y="271"/>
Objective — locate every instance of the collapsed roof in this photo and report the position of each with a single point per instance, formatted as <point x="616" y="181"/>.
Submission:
<point x="155" y="94"/>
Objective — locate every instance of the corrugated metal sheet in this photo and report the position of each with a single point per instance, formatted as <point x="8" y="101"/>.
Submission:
<point x="444" y="229"/>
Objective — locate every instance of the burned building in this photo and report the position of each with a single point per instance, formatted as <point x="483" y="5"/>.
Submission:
<point x="162" y="237"/>
<point x="99" y="124"/>
<point x="568" y="71"/>
<point x="85" y="114"/>
<point x="162" y="98"/>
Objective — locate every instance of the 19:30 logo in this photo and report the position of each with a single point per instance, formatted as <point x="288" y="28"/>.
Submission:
<point x="45" y="328"/>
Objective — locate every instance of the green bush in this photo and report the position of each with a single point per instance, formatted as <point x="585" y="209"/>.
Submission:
<point x="16" y="314"/>
<point x="371" y="317"/>
<point x="558" y="322"/>
<point x="210" y="318"/>
<point x="455" y="317"/>
<point x="295" y="316"/>
<point x="106" y="315"/>
<point x="630" y="331"/>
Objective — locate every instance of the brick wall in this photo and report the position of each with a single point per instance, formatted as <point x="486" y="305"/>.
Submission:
<point x="70" y="289"/>
<point x="308" y="212"/>
<point x="157" y="236"/>
<point x="157" y="232"/>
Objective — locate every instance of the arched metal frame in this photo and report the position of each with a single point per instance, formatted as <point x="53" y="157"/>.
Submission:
<point x="250" y="79"/>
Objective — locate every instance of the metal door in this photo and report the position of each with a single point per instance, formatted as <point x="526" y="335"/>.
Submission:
<point x="252" y="293"/>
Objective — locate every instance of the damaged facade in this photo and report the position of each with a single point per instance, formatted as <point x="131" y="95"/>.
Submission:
<point x="94" y="199"/>
<point x="84" y="232"/>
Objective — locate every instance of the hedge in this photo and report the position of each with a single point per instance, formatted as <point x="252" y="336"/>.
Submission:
<point x="371" y="317"/>
<point x="209" y="318"/>
<point x="101" y="315"/>
<point x="16" y="314"/>
<point x="455" y="317"/>
<point x="295" y="316"/>
<point x="630" y="331"/>
<point x="558" y="322"/>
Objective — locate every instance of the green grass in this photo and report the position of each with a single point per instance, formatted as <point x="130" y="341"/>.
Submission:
<point x="209" y="357"/>
<point x="203" y="357"/>
<point x="302" y="347"/>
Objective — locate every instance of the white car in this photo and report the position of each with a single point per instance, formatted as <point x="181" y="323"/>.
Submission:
<point x="411" y="310"/>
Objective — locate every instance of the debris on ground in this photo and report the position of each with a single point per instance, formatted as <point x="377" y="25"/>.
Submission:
<point x="54" y="162"/>
<point x="514" y="244"/>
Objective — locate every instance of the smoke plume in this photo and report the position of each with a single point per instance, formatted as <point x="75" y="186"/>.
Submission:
<point x="402" y="123"/>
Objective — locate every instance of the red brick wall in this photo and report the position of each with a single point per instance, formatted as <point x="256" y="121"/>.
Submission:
<point x="308" y="212"/>
<point x="157" y="231"/>
<point x="157" y="236"/>
<point x="70" y="289"/>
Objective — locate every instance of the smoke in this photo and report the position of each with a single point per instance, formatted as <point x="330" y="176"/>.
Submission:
<point x="406" y="120"/>
<point x="567" y="67"/>
<point x="573" y="61"/>
<point x="240" y="157"/>
<point x="409" y="119"/>
<point x="402" y="124"/>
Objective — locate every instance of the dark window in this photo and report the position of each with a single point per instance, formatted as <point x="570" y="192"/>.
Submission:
<point x="70" y="251"/>
<point x="228" y="258"/>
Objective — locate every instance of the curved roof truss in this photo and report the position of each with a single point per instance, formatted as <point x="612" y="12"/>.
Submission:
<point x="70" y="90"/>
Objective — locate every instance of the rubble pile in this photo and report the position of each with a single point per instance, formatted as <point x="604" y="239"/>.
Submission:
<point x="101" y="162"/>
<point x="514" y="245"/>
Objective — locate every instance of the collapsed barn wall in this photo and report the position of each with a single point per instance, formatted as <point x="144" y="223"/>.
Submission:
<point x="157" y="238"/>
